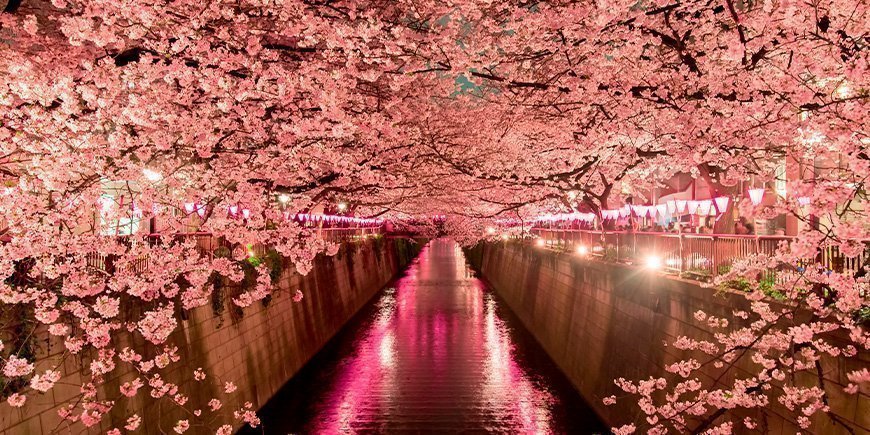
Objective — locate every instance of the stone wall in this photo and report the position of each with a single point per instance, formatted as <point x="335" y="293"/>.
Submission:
<point x="258" y="348"/>
<point x="600" y="321"/>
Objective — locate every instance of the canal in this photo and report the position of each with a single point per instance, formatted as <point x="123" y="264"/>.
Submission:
<point x="434" y="352"/>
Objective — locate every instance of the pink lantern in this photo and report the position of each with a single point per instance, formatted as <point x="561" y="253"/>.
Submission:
<point x="756" y="195"/>
<point x="692" y="206"/>
<point x="721" y="203"/>
<point x="672" y="206"/>
<point x="681" y="205"/>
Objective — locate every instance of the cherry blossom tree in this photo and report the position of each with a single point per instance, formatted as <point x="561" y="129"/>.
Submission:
<point x="226" y="117"/>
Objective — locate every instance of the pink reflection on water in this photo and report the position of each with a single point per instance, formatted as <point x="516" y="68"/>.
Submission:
<point x="436" y="357"/>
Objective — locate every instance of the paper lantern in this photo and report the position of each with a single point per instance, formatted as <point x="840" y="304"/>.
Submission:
<point x="662" y="209"/>
<point x="756" y="195"/>
<point x="681" y="205"/>
<point x="234" y="210"/>
<point x="200" y="210"/>
<point x="721" y="203"/>
<point x="692" y="206"/>
<point x="246" y="213"/>
<point x="189" y="206"/>
<point x="672" y="206"/>
<point x="704" y="207"/>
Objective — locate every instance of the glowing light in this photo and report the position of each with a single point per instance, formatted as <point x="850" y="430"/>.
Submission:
<point x="490" y="230"/>
<point x="756" y="195"/>
<point x="653" y="262"/>
<point x="189" y="207"/>
<point x="540" y="242"/>
<point x="152" y="175"/>
<point x="283" y="198"/>
<point x="582" y="250"/>
<point x="342" y="206"/>
<point x="504" y="237"/>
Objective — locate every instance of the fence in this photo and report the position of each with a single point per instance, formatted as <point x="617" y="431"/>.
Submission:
<point x="696" y="254"/>
<point x="207" y="244"/>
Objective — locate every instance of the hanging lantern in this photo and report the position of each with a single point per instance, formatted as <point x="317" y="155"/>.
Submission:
<point x="704" y="207"/>
<point x="246" y="213"/>
<point x="234" y="210"/>
<point x="200" y="210"/>
<point x="672" y="206"/>
<point x="721" y="203"/>
<point x="662" y="209"/>
<point x="681" y="205"/>
<point x="189" y="207"/>
<point x="692" y="206"/>
<point x="756" y="195"/>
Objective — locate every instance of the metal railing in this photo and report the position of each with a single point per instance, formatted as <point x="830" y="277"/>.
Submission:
<point x="207" y="244"/>
<point x="703" y="255"/>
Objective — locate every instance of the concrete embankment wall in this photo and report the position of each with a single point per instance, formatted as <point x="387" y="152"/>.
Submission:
<point x="601" y="321"/>
<point x="258" y="348"/>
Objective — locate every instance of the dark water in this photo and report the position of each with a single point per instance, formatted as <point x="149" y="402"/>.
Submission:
<point x="435" y="352"/>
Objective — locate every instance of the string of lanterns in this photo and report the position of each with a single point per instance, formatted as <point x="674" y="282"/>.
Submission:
<point x="235" y="211"/>
<point x="674" y="207"/>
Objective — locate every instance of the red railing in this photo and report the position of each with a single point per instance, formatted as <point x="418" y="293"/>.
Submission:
<point x="704" y="255"/>
<point x="207" y="244"/>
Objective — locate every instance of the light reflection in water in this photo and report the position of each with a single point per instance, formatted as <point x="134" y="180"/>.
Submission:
<point x="436" y="355"/>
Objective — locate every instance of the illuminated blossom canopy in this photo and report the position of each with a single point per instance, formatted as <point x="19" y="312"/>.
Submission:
<point x="188" y="111"/>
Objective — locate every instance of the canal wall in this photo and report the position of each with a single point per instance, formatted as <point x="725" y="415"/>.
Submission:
<point x="258" y="348"/>
<point x="601" y="321"/>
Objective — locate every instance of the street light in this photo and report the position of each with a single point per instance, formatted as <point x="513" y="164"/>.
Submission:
<point x="653" y="262"/>
<point x="582" y="250"/>
<point x="540" y="243"/>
